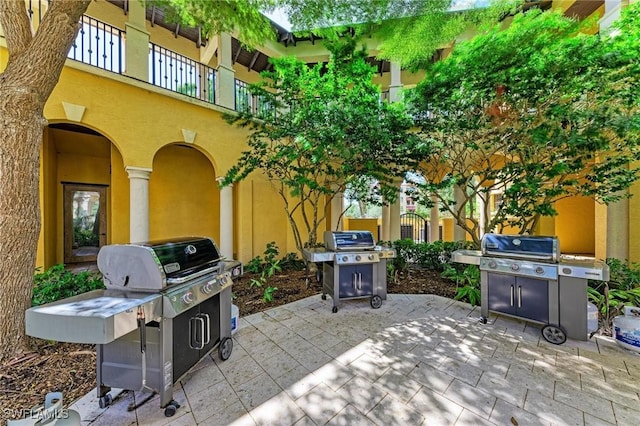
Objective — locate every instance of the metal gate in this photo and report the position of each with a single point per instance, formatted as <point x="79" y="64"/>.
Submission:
<point x="415" y="227"/>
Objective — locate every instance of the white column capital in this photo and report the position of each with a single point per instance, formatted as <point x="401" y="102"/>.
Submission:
<point x="220" y="179"/>
<point x="138" y="172"/>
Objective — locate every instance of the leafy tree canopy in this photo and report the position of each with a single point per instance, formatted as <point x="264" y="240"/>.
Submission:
<point x="327" y="128"/>
<point x="553" y="114"/>
<point x="412" y="30"/>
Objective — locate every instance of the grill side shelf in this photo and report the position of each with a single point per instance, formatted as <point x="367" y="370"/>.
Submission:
<point x="95" y="317"/>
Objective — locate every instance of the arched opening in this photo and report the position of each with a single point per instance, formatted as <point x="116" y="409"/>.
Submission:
<point x="75" y="190"/>
<point x="184" y="198"/>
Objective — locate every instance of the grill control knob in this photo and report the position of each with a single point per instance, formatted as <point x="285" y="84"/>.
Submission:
<point x="358" y="258"/>
<point x="492" y="264"/>
<point x="345" y="258"/>
<point x="540" y="270"/>
<point x="208" y="287"/>
<point x="371" y="257"/>
<point x="187" y="298"/>
<point x="515" y="267"/>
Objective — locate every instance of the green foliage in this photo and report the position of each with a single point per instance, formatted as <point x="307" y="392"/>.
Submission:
<point x="266" y="268"/>
<point x="214" y="17"/>
<point x="268" y="293"/>
<point x="435" y="256"/>
<point x="57" y="283"/>
<point x="291" y="262"/>
<point x="623" y="289"/>
<point x="331" y="130"/>
<point x="467" y="281"/>
<point x="254" y="265"/>
<point x="553" y="114"/>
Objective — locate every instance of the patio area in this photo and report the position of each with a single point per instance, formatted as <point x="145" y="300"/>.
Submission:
<point x="419" y="359"/>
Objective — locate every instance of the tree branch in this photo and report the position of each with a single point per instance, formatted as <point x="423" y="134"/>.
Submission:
<point x="16" y="26"/>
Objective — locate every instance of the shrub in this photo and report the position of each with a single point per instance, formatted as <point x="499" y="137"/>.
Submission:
<point x="291" y="262"/>
<point x="623" y="289"/>
<point x="467" y="281"/>
<point x="57" y="283"/>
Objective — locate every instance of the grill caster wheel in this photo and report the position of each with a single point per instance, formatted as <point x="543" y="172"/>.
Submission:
<point x="376" y="301"/>
<point x="483" y="320"/>
<point x="105" y="401"/>
<point x="335" y="309"/>
<point x="323" y="297"/>
<point x="554" y="334"/>
<point x="226" y="346"/>
<point x="171" y="408"/>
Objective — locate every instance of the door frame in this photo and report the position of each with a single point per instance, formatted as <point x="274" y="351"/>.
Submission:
<point x="68" y="188"/>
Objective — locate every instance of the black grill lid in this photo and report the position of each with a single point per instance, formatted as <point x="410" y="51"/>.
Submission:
<point x="185" y="256"/>
<point x="348" y="240"/>
<point x="523" y="246"/>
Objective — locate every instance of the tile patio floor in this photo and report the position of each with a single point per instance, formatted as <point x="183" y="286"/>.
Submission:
<point x="418" y="360"/>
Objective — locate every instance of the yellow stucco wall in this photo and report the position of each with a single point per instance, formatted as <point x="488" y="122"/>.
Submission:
<point x="634" y="222"/>
<point x="184" y="198"/>
<point x="367" y="224"/>
<point x="575" y="225"/>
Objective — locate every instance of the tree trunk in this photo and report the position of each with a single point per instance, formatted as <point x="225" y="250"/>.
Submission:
<point x="34" y="67"/>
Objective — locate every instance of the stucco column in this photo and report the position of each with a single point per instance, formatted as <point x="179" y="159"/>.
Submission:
<point x="434" y="220"/>
<point x="225" y="76"/>
<point x="337" y="207"/>
<point x="618" y="229"/>
<point x="138" y="203"/>
<point x="395" y="86"/>
<point x="394" y="219"/>
<point x="459" y="234"/>
<point x="137" y="43"/>
<point x="386" y="223"/>
<point x="226" y="220"/>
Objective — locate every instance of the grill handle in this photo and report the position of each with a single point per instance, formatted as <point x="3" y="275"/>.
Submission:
<point x="196" y="326"/>
<point x="206" y="333"/>
<point x="519" y="296"/>
<point x="511" y="294"/>
<point x="359" y="281"/>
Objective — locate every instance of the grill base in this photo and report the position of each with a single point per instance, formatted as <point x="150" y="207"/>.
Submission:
<point x="167" y="350"/>
<point x="343" y="282"/>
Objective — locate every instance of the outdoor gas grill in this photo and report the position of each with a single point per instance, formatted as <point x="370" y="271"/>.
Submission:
<point x="352" y="267"/>
<point x="167" y="305"/>
<point x="527" y="277"/>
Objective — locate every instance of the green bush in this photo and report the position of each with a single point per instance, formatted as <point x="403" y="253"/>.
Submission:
<point x="57" y="283"/>
<point x="291" y="262"/>
<point x="623" y="289"/>
<point x="435" y="256"/>
<point x="467" y="281"/>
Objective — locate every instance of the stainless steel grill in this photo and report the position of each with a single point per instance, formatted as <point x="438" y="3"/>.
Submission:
<point x="527" y="277"/>
<point x="352" y="267"/>
<point x="167" y="304"/>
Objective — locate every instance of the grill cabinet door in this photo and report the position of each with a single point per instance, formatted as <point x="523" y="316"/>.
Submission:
<point x="356" y="280"/>
<point x="211" y="308"/>
<point x="184" y="357"/>
<point x="501" y="289"/>
<point x="533" y="297"/>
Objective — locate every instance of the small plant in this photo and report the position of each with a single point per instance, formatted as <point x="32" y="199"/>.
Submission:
<point x="268" y="268"/>
<point x="291" y="262"/>
<point x="254" y="265"/>
<point x="268" y="293"/>
<point x="57" y="283"/>
<point x="467" y="282"/>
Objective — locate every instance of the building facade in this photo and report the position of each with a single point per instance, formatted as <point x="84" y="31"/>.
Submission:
<point x="136" y="143"/>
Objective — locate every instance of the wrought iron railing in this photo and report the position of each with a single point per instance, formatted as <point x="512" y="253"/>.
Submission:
<point x="99" y="44"/>
<point x="181" y="74"/>
<point x="245" y="101"/>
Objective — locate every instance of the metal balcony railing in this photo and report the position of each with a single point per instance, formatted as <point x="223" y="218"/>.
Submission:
<point x="181" y="74"/>
<point x="99" y="44"/>
<point x="245" y="101"/>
